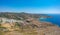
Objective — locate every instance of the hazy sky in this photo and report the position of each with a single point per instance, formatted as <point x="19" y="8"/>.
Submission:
<point x="30" y="6"/>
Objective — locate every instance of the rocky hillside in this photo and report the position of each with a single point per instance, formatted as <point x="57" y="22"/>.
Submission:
<point x="27" y="25"/>
<point x="21" y="15"/>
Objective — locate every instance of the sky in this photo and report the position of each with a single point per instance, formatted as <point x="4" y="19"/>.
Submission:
<point x="31" y="6"/>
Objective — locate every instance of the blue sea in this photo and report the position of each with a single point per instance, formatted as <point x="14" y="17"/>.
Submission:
<point x="55" y="19"/>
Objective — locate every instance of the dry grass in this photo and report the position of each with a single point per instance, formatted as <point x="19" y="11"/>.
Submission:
<point x="2" y="33"/>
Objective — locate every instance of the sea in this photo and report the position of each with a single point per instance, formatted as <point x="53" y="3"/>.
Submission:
<point x="54" y="20"/>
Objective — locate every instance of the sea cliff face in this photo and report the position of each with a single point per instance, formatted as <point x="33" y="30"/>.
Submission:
<point x="26" y="25"/>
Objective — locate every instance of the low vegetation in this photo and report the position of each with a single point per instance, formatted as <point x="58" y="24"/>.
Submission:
<point x="26" y="27"/>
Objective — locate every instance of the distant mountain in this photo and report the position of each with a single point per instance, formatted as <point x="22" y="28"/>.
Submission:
<point x="20" y="15"/>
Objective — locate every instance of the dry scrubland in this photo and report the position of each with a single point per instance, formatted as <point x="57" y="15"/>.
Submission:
<point x="27" y="25"/>
<point x="41" y="28"/>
